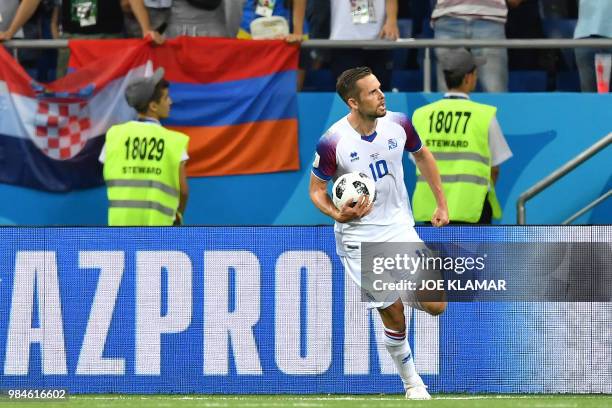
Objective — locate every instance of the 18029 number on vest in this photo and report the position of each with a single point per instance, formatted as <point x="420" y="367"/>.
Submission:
<point x="144" y="148"/>
<point x="446" y="122"/>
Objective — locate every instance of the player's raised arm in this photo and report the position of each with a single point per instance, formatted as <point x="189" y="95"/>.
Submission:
<point x="427" y="165"/>
<point x="322" y="200"/>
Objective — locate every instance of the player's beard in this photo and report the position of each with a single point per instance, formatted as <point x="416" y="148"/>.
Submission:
<point x="374" y="114"/>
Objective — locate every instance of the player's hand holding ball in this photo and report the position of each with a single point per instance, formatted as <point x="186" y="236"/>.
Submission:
<point x="353" y="195"/>
<point x="350" y="211"/>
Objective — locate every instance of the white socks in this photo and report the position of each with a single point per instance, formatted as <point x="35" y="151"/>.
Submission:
<point x="399" y="349"/>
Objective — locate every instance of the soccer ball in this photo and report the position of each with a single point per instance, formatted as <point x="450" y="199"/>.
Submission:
<point x="350" y="186"/>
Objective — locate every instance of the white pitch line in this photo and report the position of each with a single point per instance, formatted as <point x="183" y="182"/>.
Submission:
<point x="254" y="398"/>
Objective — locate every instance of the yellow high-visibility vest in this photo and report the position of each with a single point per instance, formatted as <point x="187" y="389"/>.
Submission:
<point x="141" y="170"/>
<point x="456" y="131"/>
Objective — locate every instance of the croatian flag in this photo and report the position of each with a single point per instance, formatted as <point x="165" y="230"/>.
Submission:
<point x="51" y="134"/>
<point x="235" y="99"/>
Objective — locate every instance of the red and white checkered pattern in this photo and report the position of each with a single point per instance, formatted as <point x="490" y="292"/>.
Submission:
<point x="61" y="128"/>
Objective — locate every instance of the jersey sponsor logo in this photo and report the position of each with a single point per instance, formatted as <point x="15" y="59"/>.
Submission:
<point x="392" y="144"/>
<point x="354" y="156"/>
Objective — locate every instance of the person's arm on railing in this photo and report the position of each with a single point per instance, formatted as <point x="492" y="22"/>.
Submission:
<point x="297" y="17"/>
<point x="25" y="10"/>
<point x="55" y="17"/>
<point x="142" y="16"/>
<point x="390" y="30"/>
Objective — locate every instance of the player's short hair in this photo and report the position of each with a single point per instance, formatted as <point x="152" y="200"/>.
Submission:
<point x="346" y="84"/>
<point x="454" y="79"/>
<point x="156" y="97"/>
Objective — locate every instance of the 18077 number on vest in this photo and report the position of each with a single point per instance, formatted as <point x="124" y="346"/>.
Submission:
<point x="443" y="121"/>
<point x="144" y="148"/>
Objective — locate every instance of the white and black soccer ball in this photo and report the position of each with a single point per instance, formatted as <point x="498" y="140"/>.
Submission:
<point x="350" y="186"/>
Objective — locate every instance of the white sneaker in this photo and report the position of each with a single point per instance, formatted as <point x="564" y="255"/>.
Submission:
<point x="417" y="392"/>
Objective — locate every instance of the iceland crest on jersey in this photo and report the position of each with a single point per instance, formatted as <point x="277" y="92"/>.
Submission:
<point x="392" y="144"/>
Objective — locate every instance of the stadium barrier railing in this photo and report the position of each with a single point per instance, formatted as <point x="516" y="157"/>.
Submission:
<point x="404" y="43"/>
<point x="521" y="212"/>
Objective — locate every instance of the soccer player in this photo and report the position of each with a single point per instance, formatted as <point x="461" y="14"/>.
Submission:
<point x="371" y="140"/>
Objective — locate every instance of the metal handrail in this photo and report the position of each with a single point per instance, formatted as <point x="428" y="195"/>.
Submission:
<point x="468" y="43"/>
<point x="584" y="210"/>
<point x="401" y="43"/>
<point x="521" y="216"/>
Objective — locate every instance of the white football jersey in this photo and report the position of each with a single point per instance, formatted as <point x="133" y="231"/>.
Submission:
<point x="343" y="150"/>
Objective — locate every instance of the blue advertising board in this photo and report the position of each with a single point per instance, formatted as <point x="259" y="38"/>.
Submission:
<point x="267" y="310"/>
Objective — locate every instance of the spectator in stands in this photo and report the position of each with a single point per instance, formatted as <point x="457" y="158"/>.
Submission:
<point x="594" y="21"/>
<point x="56" y="32"/>
<point x="8" y="8"/>
<point x="101" y="19"/>
<point x="159" y="16"/>
<point x="289" y="24"/>
<point x="36" y="28"/>
<point x="467" y="143"/>
<point x="318" y="16"/>
<point x="349" y="21"/>
<point x="476" y="19"/>
<point x="557" y="8"/>
<point x="39" y="26"/>
<point x="559" y="21"/>
<point x="204" y="18"/>
<point x="254" y="9"/>
<point x="525" y="22"/>
<point x="418" y="13"/>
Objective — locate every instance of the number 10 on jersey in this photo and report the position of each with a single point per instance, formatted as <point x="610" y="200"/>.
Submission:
<point x="379" y="169"/>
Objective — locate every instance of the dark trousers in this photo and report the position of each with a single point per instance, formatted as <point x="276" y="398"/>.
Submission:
<point x="380" y="61"/>
<point x="486" y="217"/>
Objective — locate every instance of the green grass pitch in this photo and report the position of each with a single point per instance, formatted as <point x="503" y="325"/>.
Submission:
<point x="315" y="401"/>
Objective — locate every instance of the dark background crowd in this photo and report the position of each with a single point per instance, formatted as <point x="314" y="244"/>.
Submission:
<point x="400" y="69"/>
